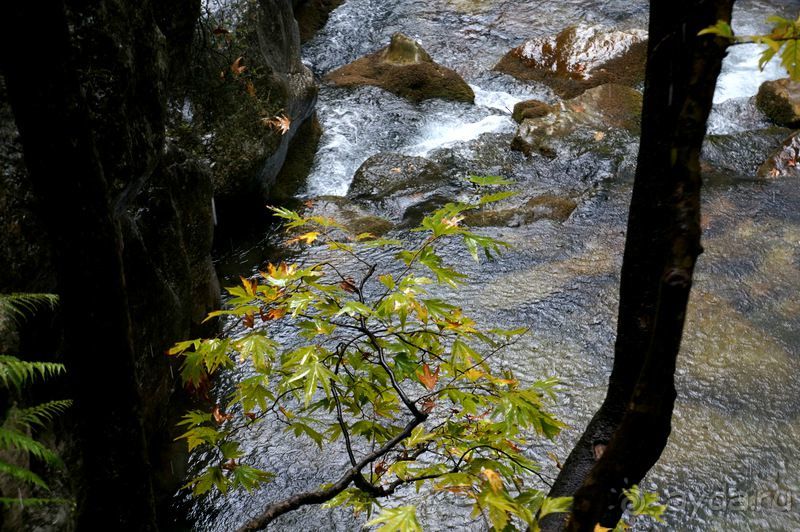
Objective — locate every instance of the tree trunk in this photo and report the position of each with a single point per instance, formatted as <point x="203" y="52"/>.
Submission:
<point x="628" y="433"/>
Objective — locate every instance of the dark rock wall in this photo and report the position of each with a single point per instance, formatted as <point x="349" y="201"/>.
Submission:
<point x="130" y="61"/>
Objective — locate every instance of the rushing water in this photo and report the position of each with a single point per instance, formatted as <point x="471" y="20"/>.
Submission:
<point x="732" y="460"/>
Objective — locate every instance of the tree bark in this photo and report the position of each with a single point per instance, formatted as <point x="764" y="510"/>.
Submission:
<point x="628" y="433"/>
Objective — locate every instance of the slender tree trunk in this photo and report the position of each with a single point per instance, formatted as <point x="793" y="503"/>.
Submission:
<point x="626" y="436"/>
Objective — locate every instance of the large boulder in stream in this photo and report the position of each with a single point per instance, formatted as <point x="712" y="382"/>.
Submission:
<point x="400" y="187"/>
<point x="579" y="58"/>
<point x="592" y="118"/>
<point x="780" y="101"/>
<point x="404" y="68"/>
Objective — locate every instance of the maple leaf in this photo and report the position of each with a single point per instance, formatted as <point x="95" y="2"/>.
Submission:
<point x="427" y="378"/>
<point x="219" y="416"/>
<point x="250" y="88"/>
<point x="281" y="123"/>
<point x="308" y="238"/>
<point x="452" y="222"/>
<point x="599" y="135"/>
<point x="219" y="30"/>
<point x="274" y="314"/>
<point x="494" y="479"/>
<point x="599" y="528"/>
<point x="428" y="404"/>
<point x="248" y="320"/>
<point x="237" y="67"/>
<point x="348" y="285"/>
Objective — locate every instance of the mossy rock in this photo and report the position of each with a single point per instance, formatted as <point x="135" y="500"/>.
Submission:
<point x="404" y="68"/>
<point x="544" y="207"/>
<point x="530" y="109"/>
<point x="780" y="101"/>
<point x="593" y="117"/>
<point x="352" y="216"/>
<point x="579" y="58"/>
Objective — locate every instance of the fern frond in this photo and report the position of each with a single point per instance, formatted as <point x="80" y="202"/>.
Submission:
<point x="13" y="439"/>
<point x="37" y="415"/>
<point x="22" y="474"/>
<point x="17" y="304"/>
<point x="31" y="501"/>
<point x="15" y="372"/>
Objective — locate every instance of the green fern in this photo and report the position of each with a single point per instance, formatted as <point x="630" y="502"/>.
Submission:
<point x="15" y="431"/>
<point x="17" y="373"/>
<point x="39" y="415"/>
<point x="17" y="305"/>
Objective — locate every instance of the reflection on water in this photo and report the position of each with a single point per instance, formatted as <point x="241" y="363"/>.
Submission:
<point x="731" y="463"/>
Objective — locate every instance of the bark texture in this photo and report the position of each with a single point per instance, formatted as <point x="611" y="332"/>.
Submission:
<point x="626" y="436"/>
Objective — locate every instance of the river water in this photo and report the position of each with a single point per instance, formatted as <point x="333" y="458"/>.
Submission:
<point x="732" y="460"/>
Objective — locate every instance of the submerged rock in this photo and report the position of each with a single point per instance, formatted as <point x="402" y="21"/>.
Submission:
<point x="739" y="155"/>
<point x="780" y="101"/>
<point x="543" y="207"/>
<point x="404" y="68"/>
<point x="784" y="161"/>
<point x="586" y="118"/>
<point x="391" y="184"/>
<point x="352" y="216"/>
<point x="579" y="58"/>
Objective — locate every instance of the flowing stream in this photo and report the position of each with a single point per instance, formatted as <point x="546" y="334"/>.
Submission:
<point x="732" y="459"/>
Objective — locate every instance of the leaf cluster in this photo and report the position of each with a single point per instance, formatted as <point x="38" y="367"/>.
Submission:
<point x="401" y="379"/>
<point x="783" y="41"/>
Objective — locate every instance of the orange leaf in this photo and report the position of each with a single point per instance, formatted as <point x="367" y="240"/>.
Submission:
<point x="248" y="320"/>
<point x="219" y="416"/>
<point x="427" y="378"/>
<point x="251" y="89"/>
<point x="237" y="67"/>
<point x="348" y="285"/>
<point x="275" y="314"/>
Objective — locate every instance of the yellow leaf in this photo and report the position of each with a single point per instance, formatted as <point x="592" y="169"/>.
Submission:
<point x="598" y="528"/>
<point x="494" y="479"/>
<point x="237" y="67"/>
<point x="308" y="238"/>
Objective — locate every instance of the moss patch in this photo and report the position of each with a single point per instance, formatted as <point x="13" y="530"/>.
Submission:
<point x="405" y="69"/>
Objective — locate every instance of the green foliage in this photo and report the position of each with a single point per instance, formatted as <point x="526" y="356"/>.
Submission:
<point x="399" y="378"/>
<point x="20" y="422"/>
<point x="782" y="41"/>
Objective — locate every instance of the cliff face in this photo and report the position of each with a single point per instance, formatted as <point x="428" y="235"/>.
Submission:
<point x="131" y="75"/>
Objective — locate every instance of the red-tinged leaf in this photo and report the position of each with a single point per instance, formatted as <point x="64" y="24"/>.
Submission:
<point x="250" y="415"/>
<point x="248" y="320"/>
<point x="219" y="30"/>
<point x="219" y="416"/>
<point x="427" y="378"/>
<point x="237" y="67"/>
<point x="230" y="466"/>
<point x="427" y="405"/>
<point x="348" y="285"/>
<point x="274" y="314"/>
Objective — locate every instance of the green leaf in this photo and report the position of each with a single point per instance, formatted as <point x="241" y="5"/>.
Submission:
<point x="401" y="519"/>
<point x="556" y="505"/>
<point x="721" y="28"/>
<point x="497" y="196"/>
<point x="790" y="58"/>
<point x="249" y="478"/>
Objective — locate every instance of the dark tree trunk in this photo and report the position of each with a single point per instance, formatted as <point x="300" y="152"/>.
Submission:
<point x="626" y="436"/>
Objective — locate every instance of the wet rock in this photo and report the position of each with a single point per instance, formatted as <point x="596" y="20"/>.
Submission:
<point x="578" y="58"/>
<point x="590" y="118"/>
<point x="391" y="185"/>
<point x="404" y="68"/>
<point x="311" y="15"/>
<point x="354" y="217"/>
<point x="784" y="161"/>
<point x="739" y="155"/>
<point x="780" y="101"/>
<point x="530" y="109"/>
<point x="543" y="207"/>
<point x="234" y="113"/>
